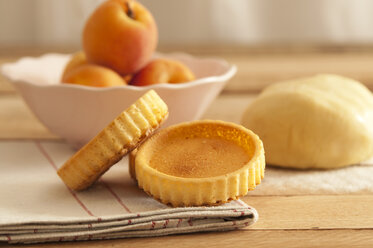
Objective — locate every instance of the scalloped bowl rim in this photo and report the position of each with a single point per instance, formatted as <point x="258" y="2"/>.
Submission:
<point x="229" y="72"/>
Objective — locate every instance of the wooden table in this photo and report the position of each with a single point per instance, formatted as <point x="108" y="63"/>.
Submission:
<point x="285" y="221"/>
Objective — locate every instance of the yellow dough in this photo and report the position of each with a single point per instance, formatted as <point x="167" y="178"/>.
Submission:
<point x="325" y="121"/>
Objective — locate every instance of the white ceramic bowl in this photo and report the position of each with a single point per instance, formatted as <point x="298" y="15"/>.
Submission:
<point x="77" y="113"/>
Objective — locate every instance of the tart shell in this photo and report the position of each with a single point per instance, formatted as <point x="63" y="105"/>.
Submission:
<point x="121" y="136"/>
<point x="186" y="191"/>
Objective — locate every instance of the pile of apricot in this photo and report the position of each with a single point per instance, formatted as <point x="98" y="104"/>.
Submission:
<point x="118" y="41"/>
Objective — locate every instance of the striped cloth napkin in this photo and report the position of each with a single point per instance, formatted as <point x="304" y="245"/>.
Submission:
<point x="37" y="207"/>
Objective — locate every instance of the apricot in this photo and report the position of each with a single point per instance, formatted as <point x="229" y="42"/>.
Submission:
<point x="76" y="60"/>
<point x="93" y="75"/>
<point x="161" y="71"/>
<point x="120" y="34"/>
<point x="127" y="78"/>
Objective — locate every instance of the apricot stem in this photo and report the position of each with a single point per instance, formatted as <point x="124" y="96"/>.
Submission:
<point x="130" y="12"/>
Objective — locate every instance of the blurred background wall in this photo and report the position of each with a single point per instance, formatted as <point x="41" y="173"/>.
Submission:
<point x="195" y="22"/>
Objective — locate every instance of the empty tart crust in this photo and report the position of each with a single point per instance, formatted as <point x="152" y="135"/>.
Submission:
<point x="122" y="135"/>
<point x="199" y="163"/>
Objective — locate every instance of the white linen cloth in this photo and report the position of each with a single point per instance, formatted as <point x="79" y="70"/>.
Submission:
<point x="35" y="205"/>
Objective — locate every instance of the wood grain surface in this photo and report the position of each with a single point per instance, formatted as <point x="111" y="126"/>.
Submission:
<point x="285" y="221"/>
<point x="259" y="69"/>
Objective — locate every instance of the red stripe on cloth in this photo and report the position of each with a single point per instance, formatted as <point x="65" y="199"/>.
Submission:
<point x="153" y="225"/>
<point x="179" y="222"/>
<point x="236" y="211"/>
<point x="46" y="155"/>
<point x="8" y="237"/>
<point x="116" y="196"/>
<point x="165" y="223"/>
<point x="190" y="222"/>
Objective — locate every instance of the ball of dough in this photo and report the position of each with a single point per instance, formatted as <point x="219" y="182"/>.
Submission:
<point x="325" y="121"/>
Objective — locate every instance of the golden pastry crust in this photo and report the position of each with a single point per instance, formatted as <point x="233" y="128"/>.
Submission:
<point x="197" y="191"/>
<point x="131" y="164"/>
<point x="122" y="135"/>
